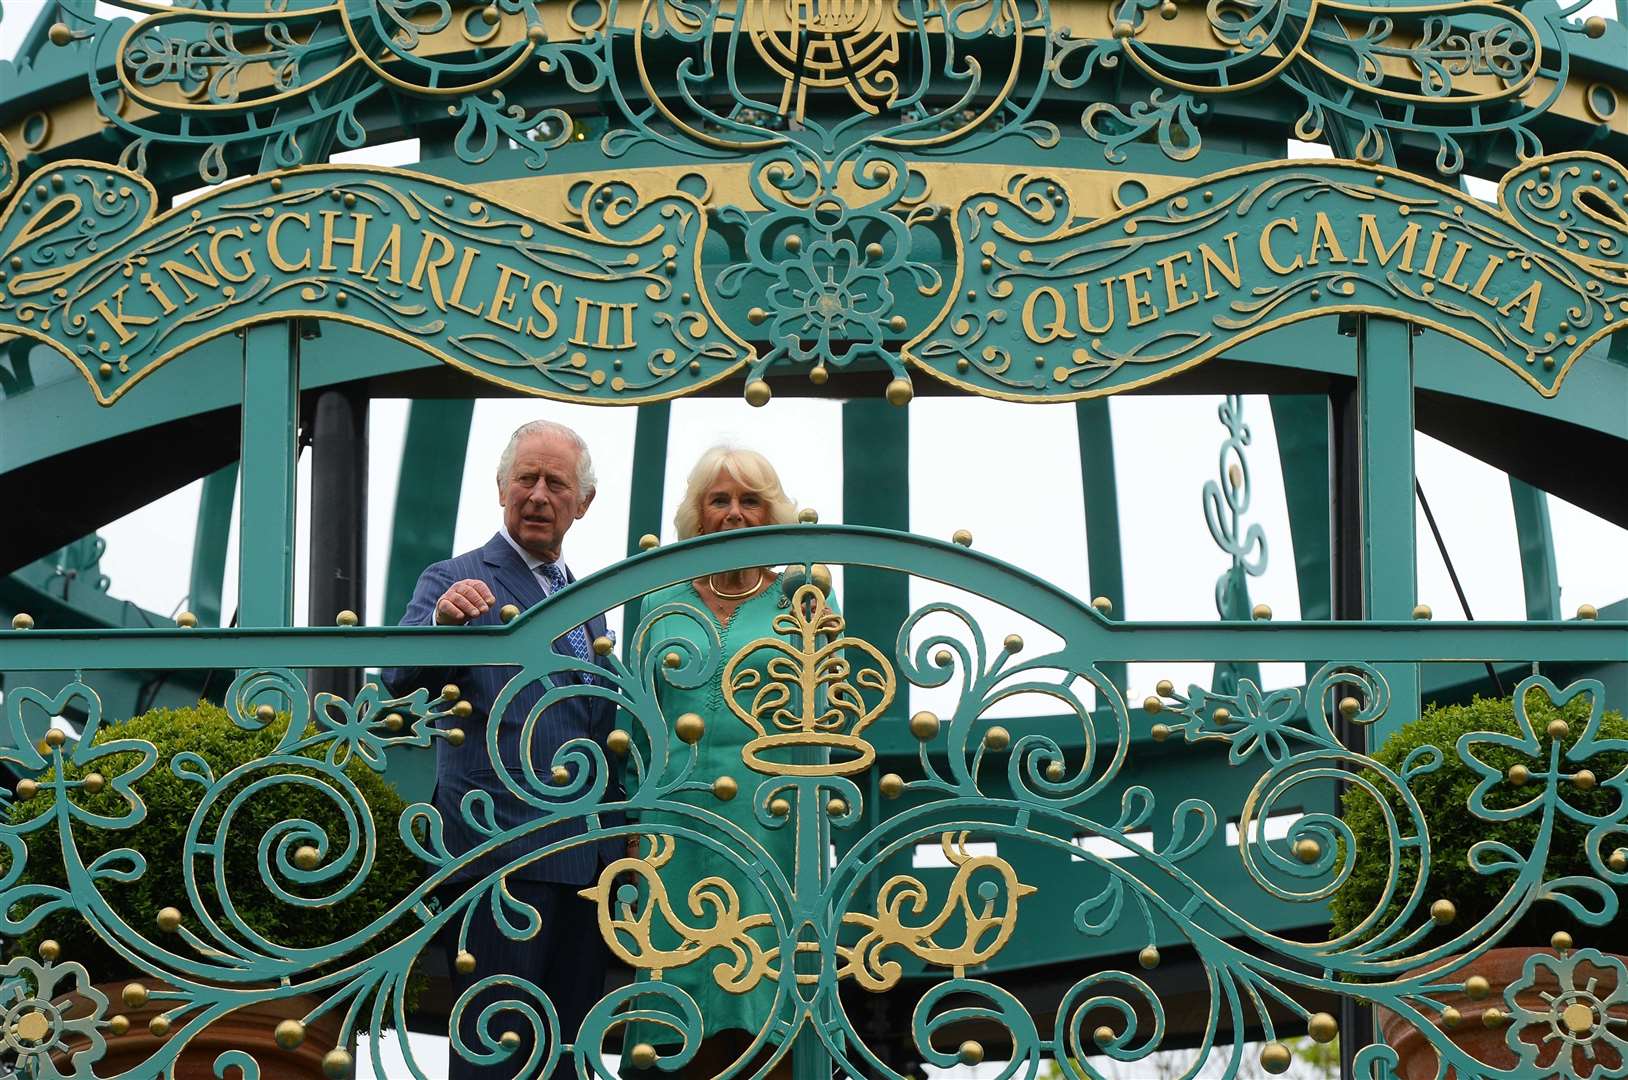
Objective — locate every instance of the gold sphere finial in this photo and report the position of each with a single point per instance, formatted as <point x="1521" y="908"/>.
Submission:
<point x="462" y="710"/>
<point x="337" y="1064"/>
<point x="1103" y="604"/>
<point x="924" y="725"/>
<point x="265" y="713"/>
<point x="1164" y="688"/>
<point x="1349" y="707"/>
<point x="455" y="736"/>
<point x="159" y="1026"/>
<point x="899" y="392"/>
<point x="186" y="620"/>
<point x="758" y="393"/>
<point x="1477" y="987"/>
<point x="1276" y="1058"/>
<point x="1594" y="26"/>
<point x="347" y="618"/>
<point x="1561" y="941"/>
<point x="307" y="857"/>
<point x="897" y="323"/>
<point x="465" y="962"/>
<point x="1168" y="10"/>
<point x="1493" y="1018"/>
<point x="972" y="1052"/>
<point x="1055" y="771"/>
<point x="962" y="537"/>
<point x="1123" y="29"/>
<point x="1443" y="912"/>
<point x="819" y="374"/>
<point x="169" y="919"/>
<point x="22" y="621"/>
<point x="891" y="785"/>
<point x="1422" y="612"/>
<point x="643" y="1055"/>
<point x="690" y="727"/>
<point x="1451" y="1017"/>
<point x="1013" y="643"/>
<point x="508" y="613"/>
<point x="450" y="692"/>
<point x="619" y="742"/>
<point x="561" y="775"/>
<point x="289" y="1034"/>
<point x="779" y="807"/>
<point x="27" y="789"/>
<point x="1103" y="1035"/>
<point x="997" y="738"/>
<point x="1618" y="861"/>
<point x="808" y="516"/>
<point x="757" y="316"/>
<point x="135" y="995"/>
<point x="836" y="807"/>
<point x="1308" y="850"/>
<point x="55" y="737"/>
<point x="1149" y="958"/>
<point x="603" y="646"/>
<point x="1160" y="732"/>
<point x="509" y="1040"/>
<point x="1587" y="612"/>
<point x="1262" y="612"/>
<point x="725" y="788"/>
<point x="1518" y="774"/>
<point x="50" y="949"/>
<point x="1323" y="1028"/>
<point x="60" y="34"/>
<point x="118" y="1024"/>
<point x="1558" y="728"/>
<point x="491" y="15"/>
<point x="1584" y="779"/>
<point x="649" y="542"/>
<point x="1152" y="705"/>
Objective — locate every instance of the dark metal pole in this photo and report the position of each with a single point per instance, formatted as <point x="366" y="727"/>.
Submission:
<point x="338" y="521"/>
<point x="1345" y="563"/>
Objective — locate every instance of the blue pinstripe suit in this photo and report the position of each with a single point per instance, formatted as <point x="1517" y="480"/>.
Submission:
<point x="567" y="957"/>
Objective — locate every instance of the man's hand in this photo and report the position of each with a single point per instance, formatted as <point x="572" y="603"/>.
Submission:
<point x="463" y="600"/>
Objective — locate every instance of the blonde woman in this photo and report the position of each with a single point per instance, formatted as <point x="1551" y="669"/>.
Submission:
<point x="728" y="489"/>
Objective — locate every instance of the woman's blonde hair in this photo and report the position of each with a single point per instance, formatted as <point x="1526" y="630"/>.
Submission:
<point x="746" y="466"/>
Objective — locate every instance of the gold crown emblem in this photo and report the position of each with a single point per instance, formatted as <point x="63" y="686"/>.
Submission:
<point x="801" y="696"/>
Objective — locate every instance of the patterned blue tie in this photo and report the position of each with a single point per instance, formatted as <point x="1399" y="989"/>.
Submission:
<point x="577" y="639"/>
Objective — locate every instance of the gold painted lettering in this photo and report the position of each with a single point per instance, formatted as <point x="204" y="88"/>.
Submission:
<point x="1529" y="298"/>
<point x="551" y="320"/>
<point x="1323" y="238"/>
<point x="1430" y="257"/>
<point x="433" y="263"/>
<point x="1493" y="263"/>
<point x="1174" y="281"/>
<point x="158" y="293"/>
<point x="1462" y="250"/>
<point x="458" y="283"/>
<point x="354" y="241"/>
<point x="501" y="300"/>
<point x="1134" y="299"/>
<point x="391" y="253"/>
<point x="1056" y="327"/>
<point x="272" y="251"/>
<point x="1268" y="257"/>
<point x="1228" y="270"/>
<point x="603" y="341"/>
<point x="181" y="273"/>
<point x="1404" y="244"/>
<point x="244" y="259"/>
<point x="118" y="320"/>
<point x="1082" y="302"/>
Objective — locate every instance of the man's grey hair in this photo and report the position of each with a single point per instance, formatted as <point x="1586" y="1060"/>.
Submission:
<point x="587" y="483"/>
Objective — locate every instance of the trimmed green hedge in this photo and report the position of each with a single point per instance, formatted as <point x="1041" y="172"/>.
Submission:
<point x="1444" y="797"/>
<point x="207" y="731"/>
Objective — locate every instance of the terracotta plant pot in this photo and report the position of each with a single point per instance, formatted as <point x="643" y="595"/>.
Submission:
<point x="1570" y="1033"/>
<point x="248" y="1029"/>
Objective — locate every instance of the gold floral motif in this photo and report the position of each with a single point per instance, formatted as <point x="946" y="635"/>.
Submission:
<point x="984" y="930"/>
<point x="628" y="930"/>
<point x="852" y="45"/>
<point x="815" y="698"/>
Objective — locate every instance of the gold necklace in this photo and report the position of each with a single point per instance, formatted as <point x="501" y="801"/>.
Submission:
<point x="720" y="594"/>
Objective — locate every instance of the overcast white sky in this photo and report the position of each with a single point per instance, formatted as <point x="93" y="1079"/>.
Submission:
<point x="1009" y="473"/>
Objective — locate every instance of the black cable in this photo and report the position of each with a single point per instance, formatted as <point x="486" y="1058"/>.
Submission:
<point x="1452" y="575"/>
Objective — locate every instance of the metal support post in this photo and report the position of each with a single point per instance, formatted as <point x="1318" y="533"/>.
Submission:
<point x="338" y="521"/>
<point x="1105" y="566"/>
<point x="271" y="397"/>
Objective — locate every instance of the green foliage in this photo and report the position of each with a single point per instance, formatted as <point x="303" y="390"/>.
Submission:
<point x="207" y="731"/>
<point x="1444" y="797"/>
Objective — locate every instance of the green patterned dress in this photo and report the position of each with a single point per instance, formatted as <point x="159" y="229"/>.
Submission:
<point x="719" y="755"/>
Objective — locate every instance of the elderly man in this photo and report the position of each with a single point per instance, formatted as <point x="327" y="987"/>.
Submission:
<point x="545" y="484"/>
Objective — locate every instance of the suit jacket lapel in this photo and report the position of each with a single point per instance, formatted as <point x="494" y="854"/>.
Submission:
<point x="512" y="572"/>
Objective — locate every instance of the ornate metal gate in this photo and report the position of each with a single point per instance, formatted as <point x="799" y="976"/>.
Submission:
<point x="622" y="202"/>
